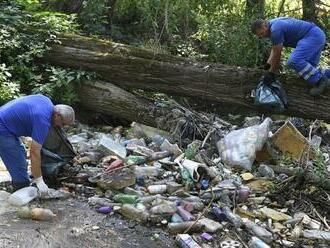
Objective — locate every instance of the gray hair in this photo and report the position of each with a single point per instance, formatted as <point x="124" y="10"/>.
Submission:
<point x="66" y="112"/>
<point x="257" y="24"/>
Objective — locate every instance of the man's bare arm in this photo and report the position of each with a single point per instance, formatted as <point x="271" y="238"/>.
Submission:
<point x="275" y="58"/>
<point x="35" y="156"/>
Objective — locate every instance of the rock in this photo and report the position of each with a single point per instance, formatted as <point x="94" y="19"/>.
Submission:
<point x="117" y="180"/>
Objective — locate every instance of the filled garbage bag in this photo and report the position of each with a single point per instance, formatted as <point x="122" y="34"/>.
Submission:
<point x="271" y="96"/>
<point x="56" y="152"/>
<point x="239" y="147"/>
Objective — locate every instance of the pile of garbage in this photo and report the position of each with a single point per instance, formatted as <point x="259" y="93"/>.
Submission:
<point x="238" y="187"/>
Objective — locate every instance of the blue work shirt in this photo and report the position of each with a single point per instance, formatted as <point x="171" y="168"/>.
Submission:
<point x="28" y="116"/>
<point x="288" y="31"/>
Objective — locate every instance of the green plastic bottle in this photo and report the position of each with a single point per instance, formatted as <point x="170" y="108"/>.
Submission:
<point x="132" y="159"/>
<point x="124" y="198"/>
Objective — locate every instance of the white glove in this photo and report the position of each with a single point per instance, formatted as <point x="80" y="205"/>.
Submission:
<point x="43" y="188"/>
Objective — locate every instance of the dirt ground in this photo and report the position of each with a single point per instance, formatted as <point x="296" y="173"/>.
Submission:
<point x="78" y="225"/>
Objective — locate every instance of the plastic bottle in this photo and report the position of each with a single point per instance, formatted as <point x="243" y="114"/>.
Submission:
<point x="186" y="241"/>
<point x="316" y="234"/>
<point x="175" y="228"/>
<point x="218" y="213"/>
<point x="36" y="213"/>
<point x="185" y="215"/>
<point x="257" y="243"/>
<point x="157" y="189"/>
<point x="132" y="159"/>
<point x="158" y="140"/>
<point x="104" y="210"/>
<point x="163" y="209"/>
<point x="99" y="201"/>
<point x="258" y="231"/>
<point x="148" y="171"/>
<point x="133" y="213"/>
<point x="176" y="218"/>
<point x="23" y="196"/>
<point x="128" y="199"/>
<point x="231" y="217"/>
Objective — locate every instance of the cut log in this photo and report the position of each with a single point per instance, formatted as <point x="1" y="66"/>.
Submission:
<point x="128" y="66"/>
<point x="109" y="99"/>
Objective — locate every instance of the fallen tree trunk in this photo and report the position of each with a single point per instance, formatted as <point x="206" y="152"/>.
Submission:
<point x="101" y="97"/>
<point x="128" y="66"/>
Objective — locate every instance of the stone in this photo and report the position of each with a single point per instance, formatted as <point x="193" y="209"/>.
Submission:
<point x="116" y="181"/>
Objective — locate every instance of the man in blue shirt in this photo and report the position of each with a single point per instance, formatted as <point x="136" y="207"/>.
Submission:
<point x="29" y="116"/>
<point x="308" y="41"/>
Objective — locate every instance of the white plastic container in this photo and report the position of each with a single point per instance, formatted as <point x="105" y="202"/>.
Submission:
<point x="157" y="189"/>
<point x="23" y="196"/>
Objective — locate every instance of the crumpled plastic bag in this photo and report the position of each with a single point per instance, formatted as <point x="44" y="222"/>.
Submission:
<point x="239" y="147"/>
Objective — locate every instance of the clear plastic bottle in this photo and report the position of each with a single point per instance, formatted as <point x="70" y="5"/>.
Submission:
<point x="163" y="209"/>
<point x="257" y="243"/>
<point x="157" y="189"/>
<point x="231" y="217"/>
<point x="258" y="231"/>
<point x="36" y="213"/>
<point x="23" y="196"/>
<point x="133" y="213"/>
<point x="148" y="171"/>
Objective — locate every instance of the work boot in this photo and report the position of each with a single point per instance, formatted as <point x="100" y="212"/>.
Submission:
<point x="320" y="87"/>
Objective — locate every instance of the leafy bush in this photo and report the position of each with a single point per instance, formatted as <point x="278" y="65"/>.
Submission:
<point x="8" y="89"/>
<point x="93" y="17"/>
<point x="24" y="37"/>
<point x="59" y="85"/>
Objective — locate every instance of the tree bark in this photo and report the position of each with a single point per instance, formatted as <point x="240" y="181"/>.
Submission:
<point x="109" y="99"/>
<point x="110" y="4"/>
<point x="309" y="10"/>
<point x="133" y="67"/>
<point x="255" y="8"/>
<point x="65" y="6"/>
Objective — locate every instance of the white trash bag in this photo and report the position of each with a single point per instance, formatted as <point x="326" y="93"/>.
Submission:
<point x="239" y="147"/>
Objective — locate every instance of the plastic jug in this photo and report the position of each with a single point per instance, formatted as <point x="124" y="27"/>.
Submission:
<point x="23" y="196"/>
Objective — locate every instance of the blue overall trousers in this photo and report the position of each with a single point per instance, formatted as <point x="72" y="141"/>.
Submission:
<point x="306" y="56"/>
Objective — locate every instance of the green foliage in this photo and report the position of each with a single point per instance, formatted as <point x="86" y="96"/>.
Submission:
<point x="24" y="37"/>
<point x="8" y="89"/>
<point x="286" y="160"/>
<point x="319" y="164"/>
<point x="59" y="85"/>
<point x="93" y="18"/>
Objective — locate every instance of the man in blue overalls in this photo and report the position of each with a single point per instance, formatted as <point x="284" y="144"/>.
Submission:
<point x="29" y="116"/>
<point x="308" y="41"/>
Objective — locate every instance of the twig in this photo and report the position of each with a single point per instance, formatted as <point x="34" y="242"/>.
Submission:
<point x="207" y="137"/>
<point x="241" y="240"/>
<point x="322" y="219"/>
<point x="202" y="214"/>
